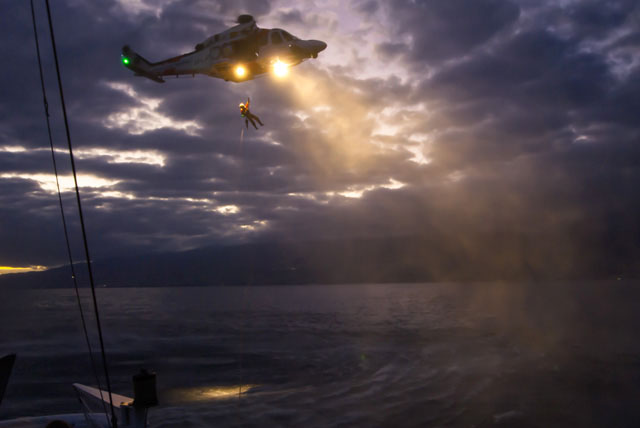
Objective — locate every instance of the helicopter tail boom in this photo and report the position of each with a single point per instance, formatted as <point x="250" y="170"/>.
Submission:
<point x="139" y="65"/>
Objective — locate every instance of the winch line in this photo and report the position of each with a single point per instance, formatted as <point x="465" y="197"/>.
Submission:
<point x="64" y="221"/>
<point x="114" y="420"/>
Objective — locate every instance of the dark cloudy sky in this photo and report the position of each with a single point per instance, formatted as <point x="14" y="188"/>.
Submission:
<point x="484" y="122"/>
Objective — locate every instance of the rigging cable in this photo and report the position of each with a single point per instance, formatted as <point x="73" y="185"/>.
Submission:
<point x="64" y="222"/>
<point x="114" y="421"/>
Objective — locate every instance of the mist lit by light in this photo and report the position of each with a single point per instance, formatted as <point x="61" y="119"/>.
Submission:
<point x="321" y="108"/>
<point x="456" y="176"/>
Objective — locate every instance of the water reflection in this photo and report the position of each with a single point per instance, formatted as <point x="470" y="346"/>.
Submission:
<point x="207" y="393"/>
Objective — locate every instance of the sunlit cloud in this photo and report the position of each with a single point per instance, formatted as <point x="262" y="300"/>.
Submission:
<point x="418" y="154"/>
<point x="149" y="157"/>
<point x="353" y="192"/>
<point x="227" y="209"/>
<point x="13" y="149"/>
<point x="317" y="197"/>
<point x="384" y="128"/>
<point x="117" y="195"/>
<point x="137" y="7"/>
<point x="144" y="117"/>
<point x="301" y="115"/>
<point x="357" y="191"/>
<point x="254" y="226"/>
<point x="456" y="176"/>
<point x="351" y="40"/>
<point x="47" y="182"/>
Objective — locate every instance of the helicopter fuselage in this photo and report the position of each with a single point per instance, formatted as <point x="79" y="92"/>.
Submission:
<point x="238" y="54"/>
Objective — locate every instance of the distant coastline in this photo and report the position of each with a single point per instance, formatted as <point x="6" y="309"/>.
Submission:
<point x="372" y="260"/>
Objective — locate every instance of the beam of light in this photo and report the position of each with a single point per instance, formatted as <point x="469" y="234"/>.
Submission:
<point x="280" y="69"/>
<point x="10" y="269"/>
<point x="240" y="71"/>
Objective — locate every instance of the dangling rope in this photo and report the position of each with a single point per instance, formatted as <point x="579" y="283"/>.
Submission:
<point x="243" y="310"/>
<point x="114" y="421"/>
<point x="64" y="222"/>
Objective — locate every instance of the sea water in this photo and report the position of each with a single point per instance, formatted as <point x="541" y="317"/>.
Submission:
<point x="367" y="355"/>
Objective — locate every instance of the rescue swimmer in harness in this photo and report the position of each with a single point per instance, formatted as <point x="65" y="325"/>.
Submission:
<point x="248" y="116"/>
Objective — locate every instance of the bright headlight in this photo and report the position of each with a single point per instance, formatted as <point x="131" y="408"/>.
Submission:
<point x="280" y="68"/>
<point x="240" y="71"/>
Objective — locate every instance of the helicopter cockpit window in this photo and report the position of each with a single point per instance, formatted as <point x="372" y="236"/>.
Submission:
<point x="276" y="38"/>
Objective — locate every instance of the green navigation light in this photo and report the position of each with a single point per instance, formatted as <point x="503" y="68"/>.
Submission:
<point x="125" y="60"/>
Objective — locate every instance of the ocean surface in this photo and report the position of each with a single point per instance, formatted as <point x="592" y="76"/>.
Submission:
<point x="379" y="355"/>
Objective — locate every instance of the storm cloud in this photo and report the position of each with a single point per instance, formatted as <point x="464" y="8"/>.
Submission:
<point x="506" y="128"/>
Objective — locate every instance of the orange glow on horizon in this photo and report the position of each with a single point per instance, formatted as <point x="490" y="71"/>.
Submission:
<point x="12" y="269"/>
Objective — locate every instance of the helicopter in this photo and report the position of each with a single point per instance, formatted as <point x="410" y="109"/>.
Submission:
<point x="238" y="54"/>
